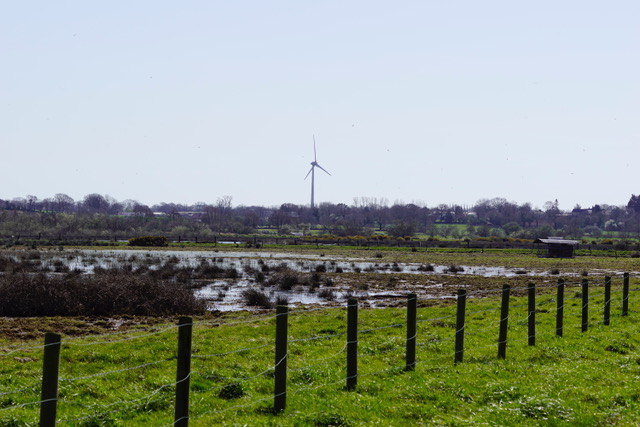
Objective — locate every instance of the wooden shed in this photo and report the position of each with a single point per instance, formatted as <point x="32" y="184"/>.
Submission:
<point x="557" y="248"/>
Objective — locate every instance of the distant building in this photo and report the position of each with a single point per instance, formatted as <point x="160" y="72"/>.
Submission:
<point x="557" y="247"/>
<point x="192" y="215"/>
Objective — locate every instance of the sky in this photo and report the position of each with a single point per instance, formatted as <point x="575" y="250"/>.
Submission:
<point x="425" y="102"/>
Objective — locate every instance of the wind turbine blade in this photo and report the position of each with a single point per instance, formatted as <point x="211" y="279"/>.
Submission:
<point x="314" y="149"/>
<point x="310" y="170"/>
<point x="323" y="169"/>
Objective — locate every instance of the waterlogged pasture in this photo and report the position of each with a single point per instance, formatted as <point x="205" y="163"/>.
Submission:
<point x="326" y="276"/>
<point x="127" y="377"/>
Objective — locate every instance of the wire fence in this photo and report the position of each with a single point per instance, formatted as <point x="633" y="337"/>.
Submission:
<point x="168" y="369"/>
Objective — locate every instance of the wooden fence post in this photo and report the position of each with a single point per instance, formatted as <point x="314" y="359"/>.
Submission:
<point x="183" y="372"/>
<point x="560" y="308"/>
<point x="460" y="323"/>
<point x="607" y="300"/>
<point x="625" y="295"/>
<point x="280" y="389"/>
<point x="504" y="322"/>
<point x="585" y="305"/>
<point x="50" y="368"/>
<point x="412" y="330"/>
<point x="352" y="343"/>
<point x="532" y="313"/>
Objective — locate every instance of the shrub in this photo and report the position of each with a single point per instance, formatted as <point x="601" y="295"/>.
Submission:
<point x="206" y="271"/>
<point x="327" y="294"/>
<point x="231" y="273"/>
<point x="149" y="241"/>
<point x="455" y="269"/>
<point x="255" y="298"/>
<point x="620" y="246"/>
<point x="315" y="278"/>
<point x="285" y="279"/>
<point x="106" y="294"/>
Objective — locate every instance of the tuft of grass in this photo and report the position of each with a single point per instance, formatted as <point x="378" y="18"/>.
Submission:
<point x="232" y="391"/>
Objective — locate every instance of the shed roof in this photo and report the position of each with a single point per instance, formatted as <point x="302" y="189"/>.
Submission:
<point x="557" y="241"/>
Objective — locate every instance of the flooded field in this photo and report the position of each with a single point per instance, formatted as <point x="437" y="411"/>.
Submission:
<point x="226" y="279"/>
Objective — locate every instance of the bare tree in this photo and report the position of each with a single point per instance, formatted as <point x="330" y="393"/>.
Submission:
<point x="62" y="203"/>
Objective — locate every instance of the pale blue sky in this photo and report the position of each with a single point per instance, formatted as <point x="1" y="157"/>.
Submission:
<point x="413" y="101"/>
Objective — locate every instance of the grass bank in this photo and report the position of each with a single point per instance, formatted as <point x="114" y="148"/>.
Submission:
<point x="128" y="377"/>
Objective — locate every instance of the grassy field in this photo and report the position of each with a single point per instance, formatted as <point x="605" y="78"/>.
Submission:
<point x="122" y="371"/>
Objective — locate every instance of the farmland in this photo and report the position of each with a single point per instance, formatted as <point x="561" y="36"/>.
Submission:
<point x="120" y="369"/>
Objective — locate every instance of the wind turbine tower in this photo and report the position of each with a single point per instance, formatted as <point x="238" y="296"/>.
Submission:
<point x="314" y="164"/>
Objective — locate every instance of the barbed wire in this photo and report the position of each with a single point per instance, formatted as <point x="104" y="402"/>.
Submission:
<point x="117" y="371"/>
<point x="392" y="344"/>
<point x="124" y="339"/>
<point x="435" y="319"/>
<point x="366" y="331"/>
<point x="312" y="364"/>
<point x="10" y="351"/>
<point x="317" y="337"/>
<point x="24" y="405"/>
<point x="101" y="414"/>
<point x="205" y="356"/>
<point x="315" y="309"/>
<point x="254" y="319"/>
<point x="236" y="407"/>
<point x="35" y="389"/>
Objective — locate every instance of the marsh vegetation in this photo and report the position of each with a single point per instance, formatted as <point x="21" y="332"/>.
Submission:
<point x="153" y="282"/>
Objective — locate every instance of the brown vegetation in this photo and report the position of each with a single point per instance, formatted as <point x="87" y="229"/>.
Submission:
<point x="105" y="294"/>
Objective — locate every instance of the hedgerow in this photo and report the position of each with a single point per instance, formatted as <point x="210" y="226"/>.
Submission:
<point x="149" y="241"/>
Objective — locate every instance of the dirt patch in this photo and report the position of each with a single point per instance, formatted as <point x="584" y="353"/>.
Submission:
<point x="30" y="328"/>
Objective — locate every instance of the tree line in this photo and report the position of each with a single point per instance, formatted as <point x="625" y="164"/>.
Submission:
<point x="101" y="216"/>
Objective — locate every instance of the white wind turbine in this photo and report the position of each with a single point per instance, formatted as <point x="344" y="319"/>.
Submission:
<point x="314" y="164"/>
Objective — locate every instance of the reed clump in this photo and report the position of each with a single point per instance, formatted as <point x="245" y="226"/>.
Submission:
<point x="105" y="294"/>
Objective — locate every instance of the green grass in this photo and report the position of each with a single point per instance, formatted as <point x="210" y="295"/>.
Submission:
<point x="584" y="378"/>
